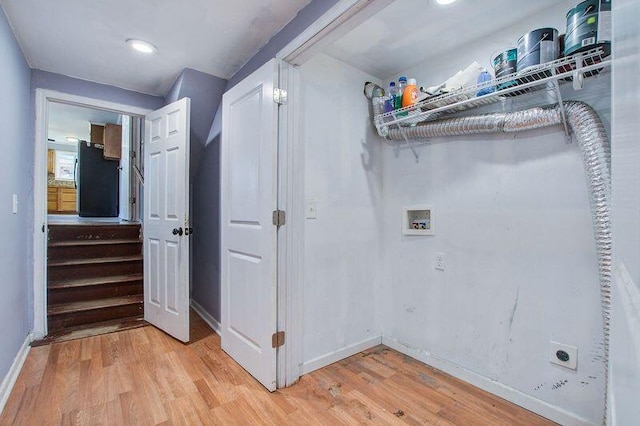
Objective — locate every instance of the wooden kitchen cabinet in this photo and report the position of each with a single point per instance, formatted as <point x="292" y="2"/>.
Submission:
<point x="97" y="134"/>
<point x="110" y="136"/>
<point x="61" y="200"/>
<point x="51" y="161"/>
<point x="112" y="141"/>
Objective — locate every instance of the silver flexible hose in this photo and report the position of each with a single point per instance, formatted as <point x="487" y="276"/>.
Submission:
<point x="591" y="137"/>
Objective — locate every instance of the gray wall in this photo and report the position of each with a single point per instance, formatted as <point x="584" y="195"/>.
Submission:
<point x="205" y="92"/>
<point x="16" y="176"/>
<point x="625" y="159"/>
<point x="74" y="86"/>
<point x="297" y="25"/>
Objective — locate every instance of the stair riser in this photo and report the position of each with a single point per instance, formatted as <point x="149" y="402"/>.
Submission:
<point x="56" y="273"/>
<point x="98" y="232"/>
<point x="70" y="319"/>
<point x="78" y="294"/>
<point x="94" y="251"/>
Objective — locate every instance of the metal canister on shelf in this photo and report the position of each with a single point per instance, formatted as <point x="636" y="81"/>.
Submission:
<point x="589" y="26"/>
<point x="537" y="47"/>
<point x="505" y="63"/>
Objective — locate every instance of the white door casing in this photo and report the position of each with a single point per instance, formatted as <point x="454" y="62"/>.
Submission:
<point x="166" y="219"/>
<point x="248" y="236"/>
<point x="42" y="99"/>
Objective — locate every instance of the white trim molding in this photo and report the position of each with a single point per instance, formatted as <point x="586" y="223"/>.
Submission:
<point x="14" y="371"/>
<point x="522" y="399"/>
<point x="336" y="22"/>
<point x="206" y="316"/>
<point x="42" y="99"/>
<point x="340" y="354"/>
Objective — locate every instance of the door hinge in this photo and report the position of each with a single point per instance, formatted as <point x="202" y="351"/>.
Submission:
<point x="132" y="154"/>
<point x="277" y="339"/>
<point x="279" y="96"/>
<point x="132" y="200"/>
<point x="279" y="217"/>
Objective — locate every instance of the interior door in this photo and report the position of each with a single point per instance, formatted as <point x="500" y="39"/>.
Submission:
<point x="249" y="246"/>
<point x="166" y="219"/>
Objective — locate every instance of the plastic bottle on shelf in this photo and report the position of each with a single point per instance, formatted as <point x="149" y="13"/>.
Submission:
<point x="390" y="101"/>
<point x="484" y="77"/>
<point x="411" y="93"/>
<point x="402" y="83"/>
<point x="377" y="100"/>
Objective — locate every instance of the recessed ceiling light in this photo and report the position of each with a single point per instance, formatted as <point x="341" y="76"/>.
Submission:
<point x="141" y="46"/>
<point x="72" y="139"/>
<point x="443" y="2"/>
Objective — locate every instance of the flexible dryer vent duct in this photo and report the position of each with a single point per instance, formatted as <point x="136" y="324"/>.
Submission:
<point x="590" y="135"/>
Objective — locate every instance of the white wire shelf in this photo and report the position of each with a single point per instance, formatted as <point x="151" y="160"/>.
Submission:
<point x="549" y="75"/>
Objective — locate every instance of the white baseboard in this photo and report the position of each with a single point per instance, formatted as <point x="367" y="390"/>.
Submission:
<point x="206" y="316"/>
<point x="335" y="356"/>
<point x="12" y="375"/>
<point x="503" y="391"/>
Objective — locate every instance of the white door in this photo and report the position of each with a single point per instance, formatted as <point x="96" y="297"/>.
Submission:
<point x="248" y="199"/>
<point x="166" y="220"/>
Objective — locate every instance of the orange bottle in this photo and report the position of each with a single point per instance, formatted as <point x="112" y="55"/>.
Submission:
<point x="410" y="95"/>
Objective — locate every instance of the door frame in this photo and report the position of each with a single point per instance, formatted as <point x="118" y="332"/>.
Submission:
<point x="336" y="22"/>
<point x="42" y="99"/>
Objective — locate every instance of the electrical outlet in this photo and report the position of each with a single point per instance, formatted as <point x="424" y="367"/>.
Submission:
<point x="563" y="355"/>
<point x="312" y="209"/>
<point x="439" y="261"/>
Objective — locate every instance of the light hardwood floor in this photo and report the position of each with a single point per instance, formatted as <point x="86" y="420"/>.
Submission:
<point x="142" y="376"/>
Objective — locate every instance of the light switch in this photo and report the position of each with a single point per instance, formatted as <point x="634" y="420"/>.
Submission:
<point x="15" y="203"/>
<point x="312" y="209"/>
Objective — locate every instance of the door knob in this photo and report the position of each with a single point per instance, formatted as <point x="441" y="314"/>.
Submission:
<point x="188" y="231"/>
<point x="177" y="231"/>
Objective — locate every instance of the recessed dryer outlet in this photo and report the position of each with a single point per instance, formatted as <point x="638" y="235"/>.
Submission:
<point x="418" y="220"/>
<point x="563" y="355"/>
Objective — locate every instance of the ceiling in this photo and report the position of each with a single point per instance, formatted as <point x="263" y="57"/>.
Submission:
<point x="409" y="32"/>
<point x="75" y="121"/>
<point x="86" y="39"/>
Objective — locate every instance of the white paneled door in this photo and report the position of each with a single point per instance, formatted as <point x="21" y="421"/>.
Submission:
<point x="249" y="245"/>
<point x="166" y="220"/>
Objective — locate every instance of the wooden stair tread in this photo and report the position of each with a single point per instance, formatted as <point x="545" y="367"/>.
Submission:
<point x="87" y="282"/>
<point x="94" y="260"/>
<point x="93" y="329"/>
<point x="89" y="305"/>
<point x="93" y="242"/>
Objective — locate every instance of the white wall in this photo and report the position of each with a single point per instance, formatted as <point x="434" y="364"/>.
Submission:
<point x="513" y="220"/>
<point x="125" y="168"/>
<point x="625" y="158"/>
<point x="512" y="217"/>
<point x="342" y="252"/>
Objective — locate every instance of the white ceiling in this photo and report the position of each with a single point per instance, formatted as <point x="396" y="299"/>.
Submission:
<point x="75" y="121"/>
<point x="86" y="39"/>
<point x="409" y="32"/>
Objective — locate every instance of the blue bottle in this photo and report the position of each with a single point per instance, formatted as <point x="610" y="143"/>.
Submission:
<point x="483" y="78"/>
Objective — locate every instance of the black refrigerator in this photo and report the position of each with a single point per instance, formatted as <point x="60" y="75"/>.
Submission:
<point x="97" y="181"/>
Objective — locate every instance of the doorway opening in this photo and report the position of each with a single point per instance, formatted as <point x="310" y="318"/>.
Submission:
<point x="94" y="280"/>
<point x="85" y="241"/>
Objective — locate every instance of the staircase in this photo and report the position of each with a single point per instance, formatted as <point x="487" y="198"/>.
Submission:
<point x="94" y="279"/>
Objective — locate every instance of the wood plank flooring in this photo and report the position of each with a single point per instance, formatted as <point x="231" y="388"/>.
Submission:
<point x="144" y="377"/>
